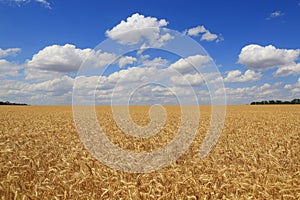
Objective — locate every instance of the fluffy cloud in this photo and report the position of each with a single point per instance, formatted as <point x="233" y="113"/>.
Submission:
<point x="40" y="75"/>
<point x="49" y="65"/>
<point x="126" y="60"/>
<point x="256" y="93"/>
<point x="294" y="88"/>
<point x="156" y="62"/>
<point x="9" y="52"/>
<point x="55" y="61"/>
<point x="121" y="83"/>
<point x="237" y="76"/>
<point x="135" y="81"/>
<point x="196" y="31"/>
<point x="140" y="28"/>
<point x="56" y="91"/>
<point x="12" y="89"/>
<point x="58" y="86"/>
<point x="259" y="57"/>
<point x="206" y="34"/>
<point x="175" y="73"/>
<point x="188" y="64"/>
<point x="292" y="69"/>
<point x="8" y="69"/>
<point x="265" y="89"/>
<point x="135" y="74"/>
<point x="187" y="79"/>
<point x="68" y="58"/>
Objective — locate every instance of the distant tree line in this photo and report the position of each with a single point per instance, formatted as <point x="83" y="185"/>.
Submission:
<point x="10" y="103"/>
<point x="294" y="101"/>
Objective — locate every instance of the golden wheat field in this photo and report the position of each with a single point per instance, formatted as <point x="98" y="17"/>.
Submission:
<point x="257" y="156"/>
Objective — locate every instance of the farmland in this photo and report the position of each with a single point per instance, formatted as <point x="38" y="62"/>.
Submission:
<point x="257" y="156"/>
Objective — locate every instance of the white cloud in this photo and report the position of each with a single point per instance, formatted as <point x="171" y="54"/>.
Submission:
<point x="122" y="83"/>
<point x="294" y="88"/>
<point x="187" y="79"/>
<point x="156" y="62"/>
<point x="68" y="58"/>
<point x="293" y="69"/>
<point x="206" y="34"/>
<point x="237" y="76"/>
<point x="119" y="83"/>
<point x="259" y="57"/>
<point x="57" y="86"/>
<point x="8" y="68"/>
<point x="56" y="91"/>
<point x="10" y="89"/>
<point x="165" y="37"/>
<point x="126" y="60"/>
<point x="153" y="73"/>
<point x="9" y="52"/>
<point x="44" y="3"/>
<point x="59" y="89"/>
<point x="250" y="91"/>
<point x="135" y="74"/>
<point x="190" y="63"/>
<point x="140" y="28"/>
<point x="196" y="30"/>
<point x="275" y="14"/>
<point x="40" y="75"/>
<point x="256" y="93"/>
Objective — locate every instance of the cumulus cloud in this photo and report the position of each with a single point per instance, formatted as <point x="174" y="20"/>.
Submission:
<point x="294" y="88"/>
<point x="188" y="64"/>
<point x="260" y="57"/>
<point x="134" y="74"/>
<point x="68" y="58"/>
<point x="153" y="72"/>
<point x="140" y="28"/>
<point x="37" y="75"/>
<point x="206" y="34"/>
<point x="120" y="84"/>
<point x="57" y="86"/>
<point x="196" y="30"/>
<point x="293" y="69"/>
<point x="123" y="82"/>
<point x="8" y="68"/>
<point x="256" y="93"/>
<point x="156" y="62"/>
<point x="126" y="60"/>
<point x="264" y="89"/>
<point x="187" y="79"/>
<point x="9" y="52"/>
<point x="237" y="76"/>
<point x="56" y="91"/>
<point x="10" y="89"/>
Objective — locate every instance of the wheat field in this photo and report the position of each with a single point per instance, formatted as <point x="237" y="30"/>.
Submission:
<point x="257" y="156"/>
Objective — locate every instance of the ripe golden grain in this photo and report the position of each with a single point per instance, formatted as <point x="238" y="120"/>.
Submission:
<point x="257" y="156"/>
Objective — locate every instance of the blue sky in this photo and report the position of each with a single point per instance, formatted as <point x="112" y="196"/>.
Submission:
<point x="269" y="32"/>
